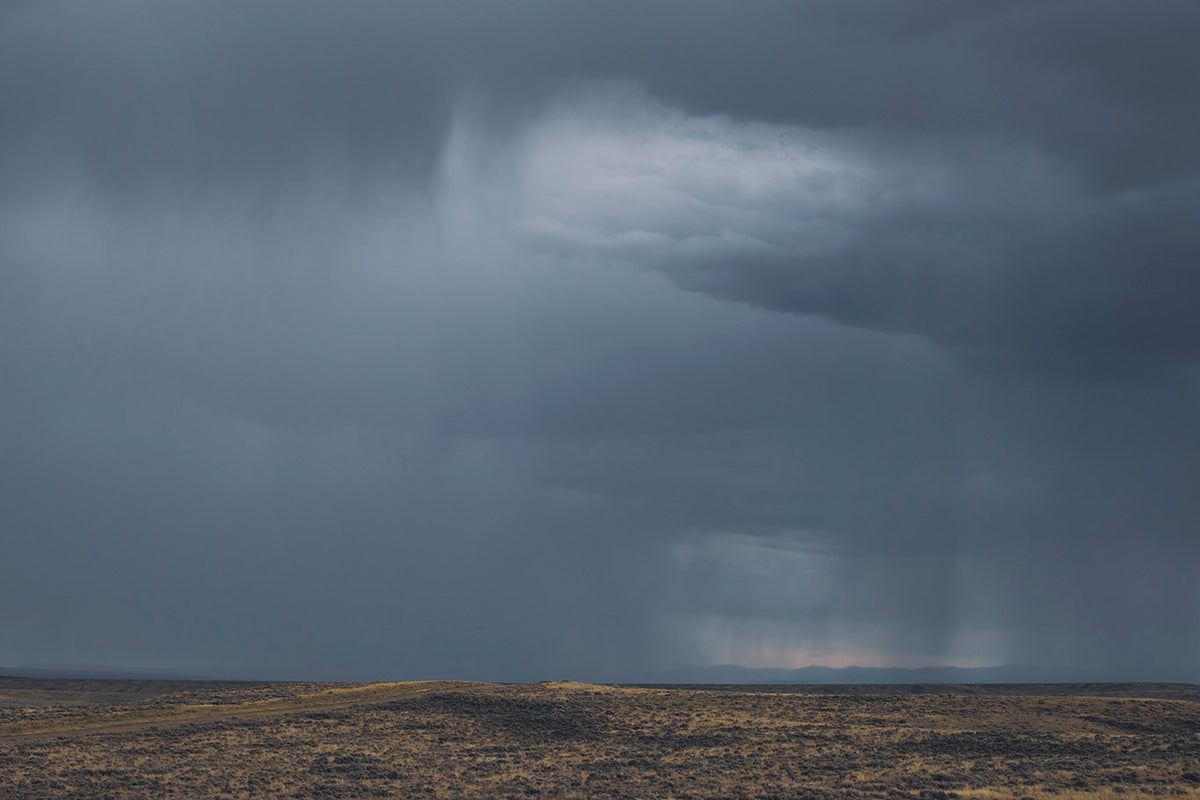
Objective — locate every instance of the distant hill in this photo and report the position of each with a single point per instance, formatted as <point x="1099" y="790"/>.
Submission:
<point x="724" y="674"/>
<point x="1010" y="673"/>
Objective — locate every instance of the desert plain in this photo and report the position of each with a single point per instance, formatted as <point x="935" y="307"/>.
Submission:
<point x="177" y="739"/>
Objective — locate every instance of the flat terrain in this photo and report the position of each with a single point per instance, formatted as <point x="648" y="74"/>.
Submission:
<point x="125" y="739"/>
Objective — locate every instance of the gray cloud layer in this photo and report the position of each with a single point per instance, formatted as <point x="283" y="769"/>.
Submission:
<point x="518" y="340"/>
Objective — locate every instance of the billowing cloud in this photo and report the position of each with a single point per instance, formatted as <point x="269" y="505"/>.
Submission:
<point x="990" y="246"/>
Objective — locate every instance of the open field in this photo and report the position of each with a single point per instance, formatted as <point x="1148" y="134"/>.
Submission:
<point x="125" y="739"/>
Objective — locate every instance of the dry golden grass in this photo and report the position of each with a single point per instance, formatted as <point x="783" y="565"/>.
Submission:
<point x="108" y="718"/>
<point x="575" y="741"/>
<point x="1116" y="793"/>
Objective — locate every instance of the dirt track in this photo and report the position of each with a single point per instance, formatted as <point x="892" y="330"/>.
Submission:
<point x="363" y="695"/>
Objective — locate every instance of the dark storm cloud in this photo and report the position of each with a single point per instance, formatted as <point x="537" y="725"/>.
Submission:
<point x="267" y="84"/>
<point x="350" y="342"/>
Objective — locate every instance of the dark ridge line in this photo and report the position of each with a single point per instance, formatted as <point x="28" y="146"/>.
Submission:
<point x="1113" y="689"/>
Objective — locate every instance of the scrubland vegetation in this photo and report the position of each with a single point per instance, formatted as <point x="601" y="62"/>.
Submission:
<point x="575" y="741"/>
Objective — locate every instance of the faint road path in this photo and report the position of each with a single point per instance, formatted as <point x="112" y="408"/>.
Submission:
<point x="371" y="694"/>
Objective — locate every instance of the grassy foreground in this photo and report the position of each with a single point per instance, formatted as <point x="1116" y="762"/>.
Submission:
<point x="575" y="741"/>
<point x="103" y="718"/>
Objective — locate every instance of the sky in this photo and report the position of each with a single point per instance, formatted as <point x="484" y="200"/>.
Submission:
<point x="531" y="340"/>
